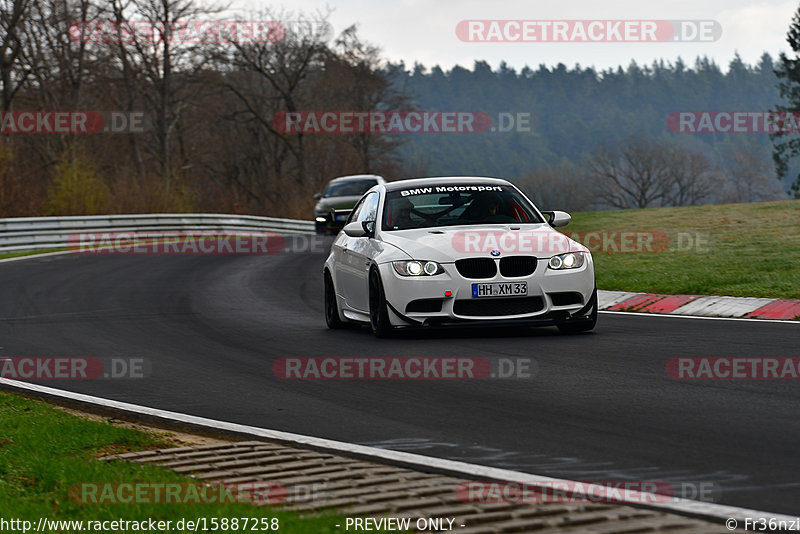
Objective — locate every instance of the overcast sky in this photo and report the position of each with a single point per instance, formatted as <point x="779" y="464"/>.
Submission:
<point x="424" y="31"/>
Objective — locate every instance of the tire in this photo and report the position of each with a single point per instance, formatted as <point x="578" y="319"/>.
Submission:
<point x="584" y="325"/>
<point x="332" y="318"/>
<point x="378" y="312"/>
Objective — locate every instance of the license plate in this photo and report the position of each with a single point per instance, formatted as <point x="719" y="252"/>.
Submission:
<point x="341" y="217"/>
<point x="500" y="289"/>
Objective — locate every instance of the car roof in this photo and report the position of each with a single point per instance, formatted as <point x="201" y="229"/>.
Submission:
<point x="357" y="177"/>
<point x="444" y="180"/>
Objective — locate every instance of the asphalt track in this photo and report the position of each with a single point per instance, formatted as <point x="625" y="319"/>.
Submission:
<point x="601" y="406"/>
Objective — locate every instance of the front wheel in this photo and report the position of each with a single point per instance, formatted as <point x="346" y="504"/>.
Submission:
<point x="378" y="313"/>
<point x="331" y="309"/>
<point x="581" y="325"/>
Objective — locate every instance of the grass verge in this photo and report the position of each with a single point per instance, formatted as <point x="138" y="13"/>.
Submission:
<point x="44" y="452"/>
<point x="744" y="250"/>
<point x="29" y="253"/>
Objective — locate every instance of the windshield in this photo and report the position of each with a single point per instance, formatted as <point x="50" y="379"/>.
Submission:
<point x="450" y="205"/>
<point x="352" y="188"/>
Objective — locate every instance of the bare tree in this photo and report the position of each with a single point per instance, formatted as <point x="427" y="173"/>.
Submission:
<point x="635" y="175"/>
<point x="690" y="177"/>
<point x="270" y="77"/>
<point x="748" y="172"/>
<point x="59" y="64"/>
<point x="125" y="76"/>
<point x="561" y="186"/>
<point x="13" y="72"/>
<point x="167" y="70"/>
<point x="355" y="68"/>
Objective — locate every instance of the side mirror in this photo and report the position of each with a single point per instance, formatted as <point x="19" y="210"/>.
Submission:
<point x="317" y="196"/>
<point x="355" y="229"/>
<point x="557" y="218"/>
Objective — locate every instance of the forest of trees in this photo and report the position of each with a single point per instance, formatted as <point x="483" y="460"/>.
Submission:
<point x="597" y="139"/>
<point x="584" y="120"/>
<point x="211" y="145"/>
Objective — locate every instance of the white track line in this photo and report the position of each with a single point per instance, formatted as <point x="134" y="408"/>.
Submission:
<point x="716" y="512"/>
<point x="37" y="255"/>
<point x="675" y="316"/>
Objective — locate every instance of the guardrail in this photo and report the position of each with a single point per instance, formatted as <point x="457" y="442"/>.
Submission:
<point x="25" y="234"/>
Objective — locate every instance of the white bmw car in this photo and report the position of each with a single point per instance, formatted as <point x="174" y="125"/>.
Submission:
<point x="461" y="250"/>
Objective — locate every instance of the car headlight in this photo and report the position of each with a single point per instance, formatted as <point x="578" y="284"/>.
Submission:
<point x="417" y="268"/>
<point x="320" y="219"/>
<point x="570" y="260"/>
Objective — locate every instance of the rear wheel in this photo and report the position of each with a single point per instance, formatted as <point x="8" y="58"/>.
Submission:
<point x="582" y="325"/>
<point x="378" y="313"/>
<point x="331" y="309"/>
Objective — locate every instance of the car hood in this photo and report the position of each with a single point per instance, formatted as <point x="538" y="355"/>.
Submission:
<point x="447" y="244"/>
<point x="337" y="203"/>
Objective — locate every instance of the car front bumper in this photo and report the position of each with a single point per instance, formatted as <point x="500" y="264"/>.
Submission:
<point x="553" y="297"/>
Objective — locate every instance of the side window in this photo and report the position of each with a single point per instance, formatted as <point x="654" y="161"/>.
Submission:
<point x="369" y="209"/>
<point x="359" y="207"/>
